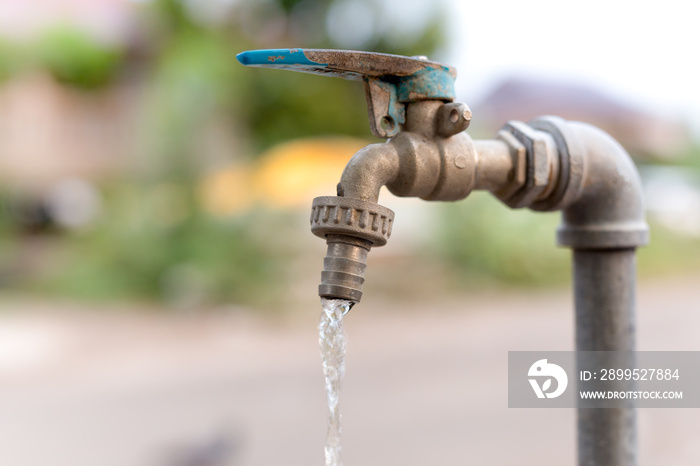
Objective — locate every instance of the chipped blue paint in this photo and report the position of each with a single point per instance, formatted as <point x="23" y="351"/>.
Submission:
<point x="432" y="82"/>
<point x="429" y="83"/>
<point x="396" y="110"/>
<point x="292" y="59"/>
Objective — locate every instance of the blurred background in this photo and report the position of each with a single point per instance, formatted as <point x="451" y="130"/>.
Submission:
<point x="153" y="314"/>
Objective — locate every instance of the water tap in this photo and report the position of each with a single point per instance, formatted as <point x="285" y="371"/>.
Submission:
<point x="546" y="164"/>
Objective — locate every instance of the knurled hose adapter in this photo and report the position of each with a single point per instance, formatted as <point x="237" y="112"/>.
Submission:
<point x="351" y="227"/>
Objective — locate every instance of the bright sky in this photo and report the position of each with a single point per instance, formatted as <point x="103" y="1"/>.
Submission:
<point x="643" y="52"/>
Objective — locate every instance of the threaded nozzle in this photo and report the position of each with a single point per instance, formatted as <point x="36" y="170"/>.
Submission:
<point x="351" y="227"/>
<point x="344" y="268"/>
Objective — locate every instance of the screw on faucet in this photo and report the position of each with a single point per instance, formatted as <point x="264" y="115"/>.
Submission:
<point x="453" y="118"/>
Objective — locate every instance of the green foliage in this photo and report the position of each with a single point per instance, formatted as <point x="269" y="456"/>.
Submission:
<point x="668" y="252"/>
<point x="691" y="158"/>
<point x="280" y="105"/>
<point x="196" y="75"/>
<point x="426" y="43"/>
<point x="484" y="242"/>
<point x="173" y="16"/>
<point x="153" y="242"/>
<point x="10" y="59"/>
<point x="286" y="106"/>
<point x="193" y="81"/>
<point x="487" y="242"/>
<point x="275" y="105"/>
<point x="74" y="58"/>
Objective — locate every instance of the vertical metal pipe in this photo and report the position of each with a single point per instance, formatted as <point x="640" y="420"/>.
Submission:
<point x="604" y="290"/>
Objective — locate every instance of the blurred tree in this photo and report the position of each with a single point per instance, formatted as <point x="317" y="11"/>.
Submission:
<point x="278" y="106"/>
<point x="195" y="78"/>
<point x="154" y="239"/>
<point x="9" y="59"/>
<point x="486" y="242"/>
<point x="74" y="58"/>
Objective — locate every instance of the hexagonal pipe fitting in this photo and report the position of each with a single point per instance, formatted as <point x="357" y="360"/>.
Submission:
<point x="541" y="164"/>
<point x="581" y="170"/>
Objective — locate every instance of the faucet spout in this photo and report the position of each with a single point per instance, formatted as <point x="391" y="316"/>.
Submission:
<point x="352" y="222"/>
<point x="369" y="169"/>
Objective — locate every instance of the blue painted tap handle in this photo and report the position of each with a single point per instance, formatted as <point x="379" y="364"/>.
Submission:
<point x="390" y="80"/>
<point x="416" y="79"/>
<point x="291" y="59"/>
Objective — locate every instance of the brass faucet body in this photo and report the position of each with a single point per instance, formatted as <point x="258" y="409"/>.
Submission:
<point x="547" y="164"/>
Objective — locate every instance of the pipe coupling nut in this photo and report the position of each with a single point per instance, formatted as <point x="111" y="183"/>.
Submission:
<point x="541" y="165"/>
<point x="333" y="215"/>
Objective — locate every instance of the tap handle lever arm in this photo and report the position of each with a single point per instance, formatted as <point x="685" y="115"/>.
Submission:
<point x="390" y="81"/>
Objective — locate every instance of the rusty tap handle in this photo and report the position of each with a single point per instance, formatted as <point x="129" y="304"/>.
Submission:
<point x="390" y="81"/>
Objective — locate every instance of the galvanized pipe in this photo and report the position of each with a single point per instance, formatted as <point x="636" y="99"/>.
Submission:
<point x="603" y="221"/>
<point x="604" y="291"/>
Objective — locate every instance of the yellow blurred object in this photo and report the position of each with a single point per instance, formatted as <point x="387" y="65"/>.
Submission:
<point x="227" y="191"/>
<point x="288" y="175"/>
<point x="293" y="173"/>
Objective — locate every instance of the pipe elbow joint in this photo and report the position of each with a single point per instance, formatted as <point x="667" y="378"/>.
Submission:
<point x="603" y="205"/>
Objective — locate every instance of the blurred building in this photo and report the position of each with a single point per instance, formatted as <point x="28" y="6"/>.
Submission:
<point x="643" y="134"/>
<point x="49" y="131"/>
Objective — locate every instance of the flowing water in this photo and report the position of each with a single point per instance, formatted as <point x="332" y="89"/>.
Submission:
<point x="332" y="339"/>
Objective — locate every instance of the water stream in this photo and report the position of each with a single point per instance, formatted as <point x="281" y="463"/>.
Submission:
<point x="332" y="339"/>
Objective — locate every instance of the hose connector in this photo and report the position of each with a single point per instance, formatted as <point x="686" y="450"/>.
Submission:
<point x="351" y="228"/>
<point x="344" y="268"/>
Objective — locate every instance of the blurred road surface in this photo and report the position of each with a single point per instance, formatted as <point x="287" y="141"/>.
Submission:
<point x="425" y="384"/>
